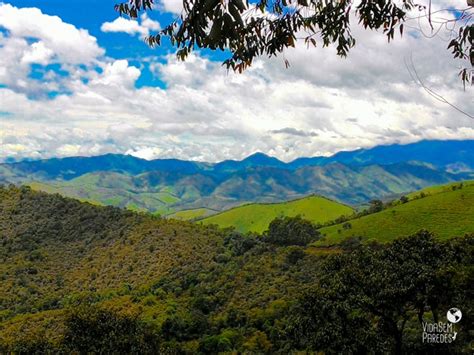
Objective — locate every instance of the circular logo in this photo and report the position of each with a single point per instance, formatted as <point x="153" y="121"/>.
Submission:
<point x="454" y="315"/>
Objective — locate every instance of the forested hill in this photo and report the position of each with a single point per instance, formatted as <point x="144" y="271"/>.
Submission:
<point x="52" y="246"/>
<point x="78" y="278"/>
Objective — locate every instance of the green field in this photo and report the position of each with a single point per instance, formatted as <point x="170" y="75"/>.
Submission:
<point x="257" y="216"/>
<point x="436" y="189"/>
<point x="192" y="214"/>
<point x="445" y="212"/>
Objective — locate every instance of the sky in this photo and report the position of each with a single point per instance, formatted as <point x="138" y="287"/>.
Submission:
<point x="76" y="79"/>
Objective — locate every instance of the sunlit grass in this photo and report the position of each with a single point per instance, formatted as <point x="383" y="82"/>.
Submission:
<point x="257" y="216"/>
<point x="447" y="214"/>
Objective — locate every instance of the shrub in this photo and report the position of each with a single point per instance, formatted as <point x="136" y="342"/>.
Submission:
<point x="403" y="199"/>
<point x="347" y="225"/>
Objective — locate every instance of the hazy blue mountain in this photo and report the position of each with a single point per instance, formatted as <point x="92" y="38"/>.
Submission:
<point x="455" y="156"/>
<point x="450" y="154"/>
<point x="71" y="167"/>
<point x="167" y="192"/>
<point x="168" y="185"/>
<point x="252" y="161"/>
<point x="349" y="184"/>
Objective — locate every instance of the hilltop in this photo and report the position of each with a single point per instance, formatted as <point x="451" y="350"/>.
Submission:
<point x="256" y="217"/>
<point x="192" y="214"/>
<point x="446" y="210"/>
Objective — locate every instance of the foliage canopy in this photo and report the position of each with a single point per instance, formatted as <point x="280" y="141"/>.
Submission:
<point x="266" y="27"/>
<point x="130" y="283"/>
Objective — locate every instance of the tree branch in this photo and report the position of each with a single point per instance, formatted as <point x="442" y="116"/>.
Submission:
<point x="414" y="75"/>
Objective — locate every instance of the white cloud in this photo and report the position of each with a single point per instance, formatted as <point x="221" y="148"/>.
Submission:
<point x="70" y="44"/>
<point x="171" y="6"/>
<point x="149" y="23"/>
<point x="119" y="74"/>
<point x="37" y="53"/>
<point x="145" y="153"/>
<point x="69" y="149"/>
<point x="32" y="37"/>
<point x="132" y="27"/>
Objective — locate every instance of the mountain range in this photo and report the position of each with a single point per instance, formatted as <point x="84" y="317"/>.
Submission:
<point x="168" y="185"/>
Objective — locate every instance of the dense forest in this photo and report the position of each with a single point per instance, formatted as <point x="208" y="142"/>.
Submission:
<point x="89" y="279"/>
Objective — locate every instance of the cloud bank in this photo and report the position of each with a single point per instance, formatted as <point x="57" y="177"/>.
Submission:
<point x="59" y="98"/>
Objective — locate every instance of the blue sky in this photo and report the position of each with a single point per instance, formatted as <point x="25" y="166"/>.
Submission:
<point x="90" y="15"/>
<point x="77" y="80"/>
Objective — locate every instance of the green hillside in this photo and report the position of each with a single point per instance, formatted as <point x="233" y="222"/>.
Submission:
<point x="79" y="279"/>
<point x="444" y="211"/>
<point x="111" y="189"/>
<point x="193" y="214"/>
<point x="256" y="217"/>
<point x="86" y="247"/>
<point x="436" y="189"/>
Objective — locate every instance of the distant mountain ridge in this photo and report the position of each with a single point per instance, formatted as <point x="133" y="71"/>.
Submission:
<point x="442" y="154"/>
<point x="252" y="161"/>
<point x="168" y="185"/>
<point x="449" y="154"/>
<point x="71" y="167"/>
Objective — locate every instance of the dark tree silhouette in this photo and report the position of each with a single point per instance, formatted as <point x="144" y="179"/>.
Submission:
<point x="266" y="27"/>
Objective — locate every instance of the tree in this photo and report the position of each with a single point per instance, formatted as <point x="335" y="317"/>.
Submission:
<point x="375" y="206"/>
<point x="291" y="231"/>
<point x="347" y="225"/>
<point x="266" y="27"/>
<point x="404" y="199"/>
<point x="215" y="344"/>
<point x="367" y="298"/>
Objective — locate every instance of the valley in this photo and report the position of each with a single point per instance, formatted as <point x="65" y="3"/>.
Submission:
<point x="168" y="186"/>
<point x="231" y="177"/>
